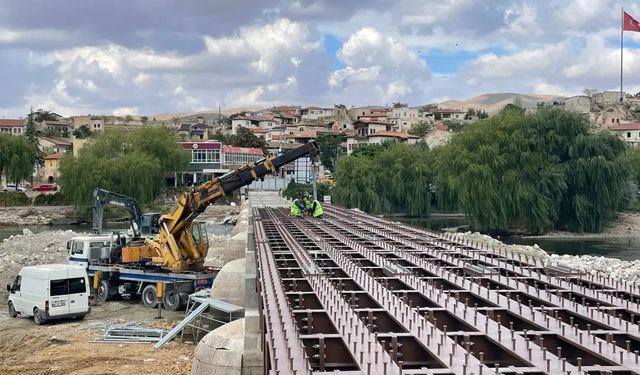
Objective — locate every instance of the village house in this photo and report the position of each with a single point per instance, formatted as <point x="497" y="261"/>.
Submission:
<point x="629" y="133"/>
<point x="404" y="118"/>
<point x="60" y="127"/>
<point x="51" y="170"/>
<point x="439" y="135"/>
<point x="448" y="114"/>
<point x="369" y="113"/>
<point x="606" y="98"/>
<point x="205" y="164"/>
<point x="12" y="126"/>
<point x="315" y="113"/>
<point x="251" y="122"/>
<point x="53" y="145"/>
<point x="578" y="103"/>
<point x="198" y="131"/>
<point x="94" y="123"/>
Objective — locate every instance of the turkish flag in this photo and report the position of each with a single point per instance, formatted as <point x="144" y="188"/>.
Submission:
<point x="630" y="23"/>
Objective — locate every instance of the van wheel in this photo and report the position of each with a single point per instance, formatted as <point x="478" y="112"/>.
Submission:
<point x="171" y="300"/>
<point x="37" y="316"/>
<point x="149" y="296"/>
<point x="12" y="311"/>
<point x="102" y="293"/>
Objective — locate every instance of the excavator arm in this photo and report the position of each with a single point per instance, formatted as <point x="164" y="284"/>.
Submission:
<point x="177" y="246"/>
<point x="103" y="197"/>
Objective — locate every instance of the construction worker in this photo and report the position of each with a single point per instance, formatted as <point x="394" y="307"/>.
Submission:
<point x="297" y="206"/>
<point x="316" y="209"/>
<point x="308" y="202"/>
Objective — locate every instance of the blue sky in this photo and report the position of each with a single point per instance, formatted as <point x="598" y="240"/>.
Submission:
<point x="198" y="55"/>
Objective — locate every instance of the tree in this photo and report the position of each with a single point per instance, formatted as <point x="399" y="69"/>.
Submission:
<point x="330" y="148"/>
<point x="399" y="105"/>
<point x="32" y="135"/>
<point x="16" y="157"/>
<point x="544" y="170"/>
<point x="132" y="163"/>
<point x="82" y="132"/>
<point x="44" y="115"/>
<point x="482" y="114"/>
<point x="340" y="106"/>
<point x="244" y="137"/>
<point x="128" y="119"/>
<point x="470" y="112"/>
<point x="144" y="120"/>
<point x="589" y="92"/>
<point x="420" y="129"/>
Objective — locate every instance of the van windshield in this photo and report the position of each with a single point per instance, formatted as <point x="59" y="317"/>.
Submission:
<point x="68" y="286"/>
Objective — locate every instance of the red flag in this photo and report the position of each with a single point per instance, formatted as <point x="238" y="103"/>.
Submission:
<point x="630" y="23"/>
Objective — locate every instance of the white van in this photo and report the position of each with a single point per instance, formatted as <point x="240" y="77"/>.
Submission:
<point x="50" y="291"/>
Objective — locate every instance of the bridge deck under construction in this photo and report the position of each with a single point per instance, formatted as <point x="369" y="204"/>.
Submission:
<point x="356" y="294"/>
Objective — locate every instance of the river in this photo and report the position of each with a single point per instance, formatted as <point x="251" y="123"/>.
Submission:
<point x="621" y="248"/>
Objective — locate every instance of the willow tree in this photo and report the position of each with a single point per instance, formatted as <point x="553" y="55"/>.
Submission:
<point x="540" y="170"/>
<point x="17" y="157"/>
<point x="130" y="163"/>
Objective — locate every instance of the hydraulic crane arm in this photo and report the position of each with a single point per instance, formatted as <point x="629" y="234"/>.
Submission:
<point x="175" y="244"/>
<point x="103" y="197"/>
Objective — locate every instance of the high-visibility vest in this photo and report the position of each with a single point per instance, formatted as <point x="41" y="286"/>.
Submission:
<point x="308" y="203"/>
<point x="317" y="211"/>
<point x="295" y="210"/>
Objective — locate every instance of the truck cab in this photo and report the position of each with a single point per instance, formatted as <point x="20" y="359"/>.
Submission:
<point x="93" y="248"/>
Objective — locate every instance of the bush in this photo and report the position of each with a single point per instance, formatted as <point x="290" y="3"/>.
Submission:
<point x="57" y="199"/>
<point x="14" y="198"/>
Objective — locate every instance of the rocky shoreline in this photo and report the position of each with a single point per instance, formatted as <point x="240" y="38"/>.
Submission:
<point x="40" y="215"/>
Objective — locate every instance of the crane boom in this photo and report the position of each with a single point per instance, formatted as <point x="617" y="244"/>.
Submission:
<point x="179" y="245"/>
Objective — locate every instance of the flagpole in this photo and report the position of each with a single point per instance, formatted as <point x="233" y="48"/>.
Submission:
<point x="621" y="48"/>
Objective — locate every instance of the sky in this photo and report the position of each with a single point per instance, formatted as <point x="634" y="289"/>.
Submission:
<point x="117" y="57"/>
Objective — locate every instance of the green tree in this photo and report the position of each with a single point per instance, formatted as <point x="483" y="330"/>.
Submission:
<point x="32" y="135"/>
<point x="399" y="105"/>
<point x="44" y="115"/>
<point x="132" y="163"/>
<point x="420" y="129"/>
<point x="128" y="119"/>
<point x="16" y="158"/>
<point x="244" y="137"/>
<point x="144" y="120"/>
<point x="329" y="145"/>
<point x="82" y="132"/>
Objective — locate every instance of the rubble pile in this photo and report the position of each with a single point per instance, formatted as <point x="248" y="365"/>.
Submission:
<point x="29" y="249"/>
<point x="596" y="265"/>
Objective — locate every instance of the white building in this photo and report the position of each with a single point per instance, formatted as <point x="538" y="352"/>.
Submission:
<point x="251" y="122"/>
<point x="405" y="117"/>
<point x="629" y="133"/>
<point x="315" y="113"/>
<point x="12" y="126"/>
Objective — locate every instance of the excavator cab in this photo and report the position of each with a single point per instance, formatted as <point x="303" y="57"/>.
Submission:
<point x="149" y="224"/>
<point x="200" y="239"/>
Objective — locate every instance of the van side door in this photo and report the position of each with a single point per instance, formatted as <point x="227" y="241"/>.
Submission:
<point x="78" y="297"/>
<point x="59" y="297"/>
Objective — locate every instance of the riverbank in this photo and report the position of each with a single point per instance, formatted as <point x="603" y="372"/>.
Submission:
<point x="40" y="215"/>
<point x="625" y="225"/>
<point x="596" y="265"/>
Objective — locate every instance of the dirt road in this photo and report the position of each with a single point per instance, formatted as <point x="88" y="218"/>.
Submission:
<point x="67" y="347"/>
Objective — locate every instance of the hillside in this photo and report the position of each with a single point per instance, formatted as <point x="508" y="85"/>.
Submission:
<point x="496" y="101"/>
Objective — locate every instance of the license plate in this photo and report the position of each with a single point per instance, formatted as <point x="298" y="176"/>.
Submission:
<point x="57" y="303"/>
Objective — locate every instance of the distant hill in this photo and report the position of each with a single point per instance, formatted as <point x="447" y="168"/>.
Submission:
<point x="496" y="101"/>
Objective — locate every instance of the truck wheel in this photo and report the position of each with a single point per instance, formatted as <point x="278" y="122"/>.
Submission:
<point x="102" y="293"/>
<point x="171" y="300"/>
<point x="149" y="297"/>
<point x="37" y="316"/>
<point x="12" y="311"/>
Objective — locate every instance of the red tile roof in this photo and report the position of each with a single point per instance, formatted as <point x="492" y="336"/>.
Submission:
<point x="250" y="118"/>
<point x="629" y="126"/>
<point x="11" y="123"/>
<point x="259" y="130"/>
<point x="54" y="156"/>
<point x="392" y="134"/>
<point x="242" y="150"/>
<point x="375" y="122"/>
<point x="57" y="141"/>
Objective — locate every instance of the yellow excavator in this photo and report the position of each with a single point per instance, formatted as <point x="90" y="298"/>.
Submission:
<point x="182" y="243"/>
